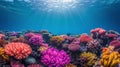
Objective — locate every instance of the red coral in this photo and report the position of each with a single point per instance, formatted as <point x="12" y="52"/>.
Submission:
<point x="85" y="38"/>
<point x="111" y="35"/>
<point x="18" y="50"/>
<point x="1" y="36"/>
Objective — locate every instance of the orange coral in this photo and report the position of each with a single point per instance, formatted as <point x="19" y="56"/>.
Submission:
<point x="18" y="50"/>
<point x="3" y="55"/>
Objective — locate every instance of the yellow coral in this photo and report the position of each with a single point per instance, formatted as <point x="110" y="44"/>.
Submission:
<point x="3" y="55"/>
<point x="42" y="48"/>
<point x="110" y="58"/>
<point x="56" y="40"/>
<point x="71" y="65"/>
<point x="91" y="58"/>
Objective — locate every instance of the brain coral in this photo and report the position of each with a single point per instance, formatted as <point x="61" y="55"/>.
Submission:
<point x="18" y="50"/>
<point x="55" y="58"/>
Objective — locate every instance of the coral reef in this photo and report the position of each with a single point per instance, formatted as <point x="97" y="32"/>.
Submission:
<point x="36" y="40"/>
<point x="18" y="50"/>
<point x="74" y="47"/>
<point x="55" y="58"/>
<point x="4" y="56"/>
<point x="87" y="59"/>
<point x="57" y="40"/>
<point x="110" y="58"/>
<point x="85" y="38"/>
<point x="71" y="65"/>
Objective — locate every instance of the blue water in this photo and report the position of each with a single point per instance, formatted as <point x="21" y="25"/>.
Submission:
<point x="18" y="16"/>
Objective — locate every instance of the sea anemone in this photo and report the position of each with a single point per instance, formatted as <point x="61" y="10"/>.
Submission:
<point x="55" y="58"/>
<point x="3" y="55"/>
<point x="18" y="50"/>
<point x="110" y="59"/>
<point x="36" y="40"/>
<point x="71" y="65"/>
<point x="57" y="40"/>
<point x="115" y="43"/>
<point x="87" y="59"/>
<point x="84" y="38"/>
<point x="74" y="47"/>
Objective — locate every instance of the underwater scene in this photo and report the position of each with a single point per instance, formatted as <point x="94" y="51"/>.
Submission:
<point x="59" y="33"/>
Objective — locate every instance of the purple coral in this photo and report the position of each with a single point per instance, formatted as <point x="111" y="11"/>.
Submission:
<point x="55" y="58"/>
<point x="36" y="40"/>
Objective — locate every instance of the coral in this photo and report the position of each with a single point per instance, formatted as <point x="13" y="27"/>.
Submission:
<point x="42" y="48"/>
<point x="74" y="47"/>
<point x="3" y="55"/>
<point x="88" y="59"/>
<point x="35" y="65"/>
<point x="94" y="46"/>
<point x="85" y="38"/>
<point x="71" y="65"/>
<point x="14" y="63"/>
<point x="18" y="50"/>
<point x="3" y="42"/>
<point x="29" y="35"/>
<point x="115" y="43"/>
<point x="98" y="30"/>
<point x="111" y="35"/>
<point x="55" y="58"/>
<point x="36" y="40"/>
<point x="1" y="36"/>
<point x="110" y="59"/>
<point x="56" y="40"/>
<point x="20" y="39"/>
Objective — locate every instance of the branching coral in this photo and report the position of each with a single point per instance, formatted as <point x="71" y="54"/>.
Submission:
<point x="55" y="58"/>
<point x="87" y="59"/>
<point x="110" y="58"/>
<point x="85" y="38"/>
<point x="56" y="40"/>
<point x="95" y="47"/>
<point x="18" y="50"/>
<point x="3" y="55"/>
<point x="36" y="40"/>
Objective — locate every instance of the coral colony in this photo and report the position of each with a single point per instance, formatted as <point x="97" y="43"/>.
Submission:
<point x="43" y="49"/>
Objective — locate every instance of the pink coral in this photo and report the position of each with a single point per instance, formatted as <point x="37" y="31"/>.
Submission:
<point x="1" y="36"/>
<point x="85" y="38"/>
<point x="111" y="35"/>
<point x="36" y="40"/>
<point x="29" y="35"/>
<point x="55" y="58"/>
<point x="35" y="65"/>
<point x="98" y="30"/>
<point x="74" y="47"/>
<point x="115" y="43"/>
<point x="18" y="50"/>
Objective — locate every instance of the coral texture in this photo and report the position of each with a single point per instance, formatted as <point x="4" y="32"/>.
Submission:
<point x="55" y="58"/>
<point x="18" y="50"/>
